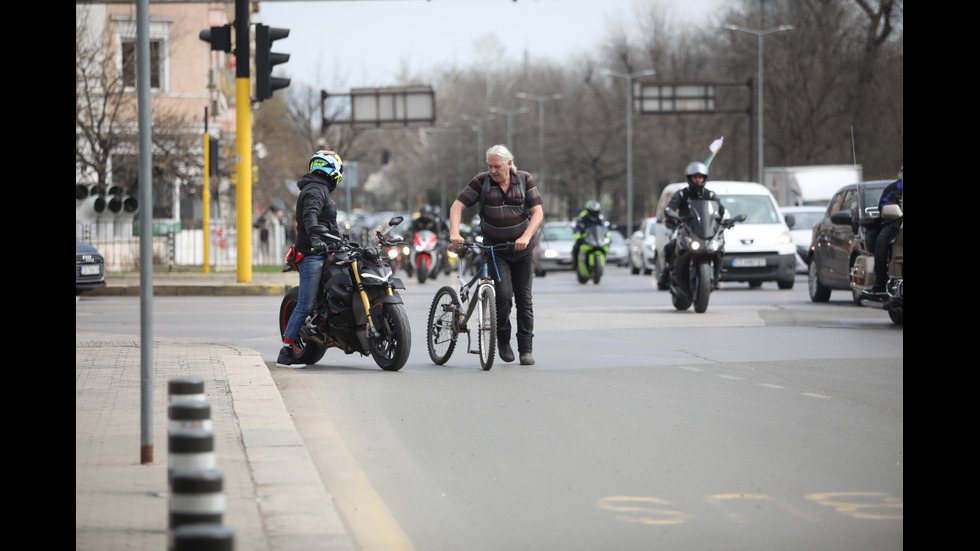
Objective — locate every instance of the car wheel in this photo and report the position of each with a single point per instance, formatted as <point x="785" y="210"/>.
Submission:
<point x="818" y="293"/>
<point x="786" y="284"/>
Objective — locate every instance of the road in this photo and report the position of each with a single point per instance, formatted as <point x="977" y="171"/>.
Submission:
<point x="767" y="422"/>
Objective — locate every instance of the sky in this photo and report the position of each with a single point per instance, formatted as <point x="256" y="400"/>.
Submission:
<point x="336" y="45"/>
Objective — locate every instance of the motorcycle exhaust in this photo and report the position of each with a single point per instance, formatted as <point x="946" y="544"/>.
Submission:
<point x="311" y="336"/>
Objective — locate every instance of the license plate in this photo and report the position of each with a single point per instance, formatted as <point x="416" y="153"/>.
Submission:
<point x="748" y="262"/>
<point x="90" y="269"/>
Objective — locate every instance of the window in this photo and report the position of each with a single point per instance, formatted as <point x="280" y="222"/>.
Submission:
<point x="159" y="49"/>
<point x="129" y="63"/>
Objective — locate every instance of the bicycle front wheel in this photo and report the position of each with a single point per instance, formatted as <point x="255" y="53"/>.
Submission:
<point x="442" y="328"/>
<point x="487" y="324"/>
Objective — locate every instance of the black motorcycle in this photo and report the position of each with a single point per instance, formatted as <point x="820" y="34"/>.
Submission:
<point x="357" y="308"/>
<point x="697" y="260"/>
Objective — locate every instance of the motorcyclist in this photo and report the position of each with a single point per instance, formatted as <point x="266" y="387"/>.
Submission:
<point x="891" y="195"/>
<point x="677" y="209"/>
<point x="590" y="216"/>
<point x="428" y="219"/>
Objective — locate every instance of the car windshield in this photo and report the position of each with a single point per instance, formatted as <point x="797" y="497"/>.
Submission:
<point x="758" y="209"/>
<point x="806" y="220"/>
<point x="559" y="233"/>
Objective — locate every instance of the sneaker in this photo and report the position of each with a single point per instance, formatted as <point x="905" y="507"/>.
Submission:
<point x="506" y="352"/>
<point x="663" y="280"/>
<point x="287" y="359"/>
<point x="527" y="358"/>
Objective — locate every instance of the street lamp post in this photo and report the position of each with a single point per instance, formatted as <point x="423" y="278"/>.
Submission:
<point x="542" y="171"/>
<point x="509" y="113"/>
<point x="629" y="138"/>
<point x="759" y="113"/>
<point x="480" y="160"/>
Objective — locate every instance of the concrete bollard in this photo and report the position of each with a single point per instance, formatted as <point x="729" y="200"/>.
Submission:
<point x="189" y="414"/>
<point x="202" y="537"/>
<point x="196" y="497"/>
<point x="183" y="389"/>
<point x="190" y="450"/>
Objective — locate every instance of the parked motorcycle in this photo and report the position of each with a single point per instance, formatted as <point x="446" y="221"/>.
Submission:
<point x="697" y="260"/>
<point x="357" y="308"/>
<point x="426" y="257"/>
<point x="592" y="253"/>
<point x="862" y="274"/>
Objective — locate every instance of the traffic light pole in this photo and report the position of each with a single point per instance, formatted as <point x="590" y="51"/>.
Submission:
<point x="243" y="141"/>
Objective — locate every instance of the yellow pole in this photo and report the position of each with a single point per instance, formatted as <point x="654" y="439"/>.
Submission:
<point x="206" y="199"/>
<point x="243" y="195"/>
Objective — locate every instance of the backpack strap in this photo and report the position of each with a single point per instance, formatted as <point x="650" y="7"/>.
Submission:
<point x="521" y="185"/>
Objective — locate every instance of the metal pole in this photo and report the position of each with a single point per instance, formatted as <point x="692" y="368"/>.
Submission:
<point x="541" y="160"/>
<point x="759" y="109"/>
<point x="510" y="117"/>
<point x="146" y="228"/>
<point x="629" y="139"/>
<point x="480" y="159"/>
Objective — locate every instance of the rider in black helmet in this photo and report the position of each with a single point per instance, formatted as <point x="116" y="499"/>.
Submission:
<point x="696" y="174"/>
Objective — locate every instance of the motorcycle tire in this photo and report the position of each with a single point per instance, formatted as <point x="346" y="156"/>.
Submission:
<point x="312" y="352"/>
<point x="596" y="269"/>
<point x="679" y="302"/>
<point x="702" y="286"/>
<point x="392" y="348"/>
<point x="441" y="330"/>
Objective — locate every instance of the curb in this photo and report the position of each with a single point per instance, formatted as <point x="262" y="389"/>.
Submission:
<point x="220" y="289"/>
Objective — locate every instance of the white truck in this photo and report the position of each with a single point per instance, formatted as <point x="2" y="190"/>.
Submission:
<point x="814" y="185"/>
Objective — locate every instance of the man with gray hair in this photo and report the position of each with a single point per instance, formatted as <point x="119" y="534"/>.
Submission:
<point x="510" y="212"/>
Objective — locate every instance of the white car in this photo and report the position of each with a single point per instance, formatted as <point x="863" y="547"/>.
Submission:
<point x="643" y="248"/>
<point x="800" y="221"/>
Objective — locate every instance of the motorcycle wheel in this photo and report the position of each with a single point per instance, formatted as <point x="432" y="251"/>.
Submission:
<point x="596" y="269"/>
<point x="392" y="348"/>
<point x="487" y="326"/>
<point x="422" y="271"/>
<point x="679" y="302"/>
<point x="312" y="352"/>
<point x="702" y="286"/>
<point x="897" y="315"/>
<point x="441" y="331"/>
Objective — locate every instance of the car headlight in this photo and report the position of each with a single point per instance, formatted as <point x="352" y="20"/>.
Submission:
<point x="550" y="253"/>
<point x="784" y="239"/>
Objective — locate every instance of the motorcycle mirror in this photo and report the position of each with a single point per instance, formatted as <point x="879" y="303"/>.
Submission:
<point x="396" y="220"/>
<point x="739" y="218"/>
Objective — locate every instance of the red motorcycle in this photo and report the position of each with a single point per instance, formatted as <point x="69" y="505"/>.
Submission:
<point x="426" y="256"/>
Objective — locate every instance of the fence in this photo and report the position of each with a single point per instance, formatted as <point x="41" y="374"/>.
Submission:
<point x="177" y="246"/>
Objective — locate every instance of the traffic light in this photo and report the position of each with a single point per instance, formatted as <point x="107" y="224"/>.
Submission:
<point x="214" y="156"/>
<point x="219" y="37"/>
<point x="266" y="59"/>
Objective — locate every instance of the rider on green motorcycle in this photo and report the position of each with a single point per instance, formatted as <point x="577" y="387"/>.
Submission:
<point x="590" y="216"/>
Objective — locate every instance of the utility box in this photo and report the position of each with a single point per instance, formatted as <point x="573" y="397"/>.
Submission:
<point x="809" y="185"/>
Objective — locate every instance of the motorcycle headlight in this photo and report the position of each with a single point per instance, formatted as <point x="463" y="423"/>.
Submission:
<point x="406" y="250"/>
<point x="392" y="253"/>
<point x="695" y="245"/>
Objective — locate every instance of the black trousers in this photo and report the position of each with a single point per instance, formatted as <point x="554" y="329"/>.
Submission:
<point x="883" y="245"/>
<point x="515" y="275"/>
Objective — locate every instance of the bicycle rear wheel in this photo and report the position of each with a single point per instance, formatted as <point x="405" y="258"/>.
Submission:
<point x="442" y="329"/>
<point x="487" y="325"/>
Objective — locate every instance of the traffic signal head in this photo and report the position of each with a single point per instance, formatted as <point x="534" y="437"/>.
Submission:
<point x="266" y="59"/>
<point x="219" y="37"/>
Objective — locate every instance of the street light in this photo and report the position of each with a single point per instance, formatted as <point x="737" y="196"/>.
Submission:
<point x="481" y="160"/>
<point x="629" y="138"/>
<point x="760" y="34"/>
<point x="540" y="99"/>
<point x="510" y="117"/>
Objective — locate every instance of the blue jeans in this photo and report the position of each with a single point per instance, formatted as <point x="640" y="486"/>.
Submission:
<point x="515" y="271"/>
<point x="310" y="270"/>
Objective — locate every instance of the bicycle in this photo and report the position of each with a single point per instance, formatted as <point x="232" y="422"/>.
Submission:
<point x="447" y="319"/>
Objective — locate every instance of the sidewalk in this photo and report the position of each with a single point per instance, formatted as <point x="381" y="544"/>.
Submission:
<point x="275" y="498"/>
<point x="198" y="284"/>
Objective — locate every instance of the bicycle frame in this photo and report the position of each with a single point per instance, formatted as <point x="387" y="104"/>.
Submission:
<point x="479" y="280"/>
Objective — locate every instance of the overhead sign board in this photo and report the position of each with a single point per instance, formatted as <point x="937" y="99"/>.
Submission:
<point x="672" y="97"/>
<point x="397" y="106"/>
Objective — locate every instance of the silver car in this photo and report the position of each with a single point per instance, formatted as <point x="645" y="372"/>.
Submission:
<point x="643" y="248"/>
<point x="554" y="249"/>
<point x="803" y="219"/>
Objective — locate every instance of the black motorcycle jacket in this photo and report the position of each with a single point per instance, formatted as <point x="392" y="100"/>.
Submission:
<point x="314" y="206"/>
<point x="677" y="208"/>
